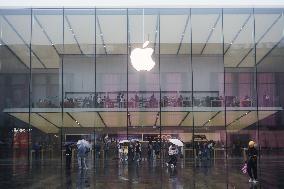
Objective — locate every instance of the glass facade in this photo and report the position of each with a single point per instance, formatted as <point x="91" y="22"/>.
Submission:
<point x="66" y="74"/>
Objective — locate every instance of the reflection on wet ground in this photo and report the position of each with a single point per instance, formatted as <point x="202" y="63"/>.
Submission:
<point x="112" y="174"/>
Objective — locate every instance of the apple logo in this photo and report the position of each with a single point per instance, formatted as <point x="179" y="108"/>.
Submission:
<point x="141" y="58"/>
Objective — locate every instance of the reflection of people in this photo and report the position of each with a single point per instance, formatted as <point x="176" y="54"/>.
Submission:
<point x="251" y="160"/>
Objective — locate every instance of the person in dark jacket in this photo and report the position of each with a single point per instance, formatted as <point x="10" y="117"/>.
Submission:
<point x="251" y="160"/>
<point x="68" y="155"/>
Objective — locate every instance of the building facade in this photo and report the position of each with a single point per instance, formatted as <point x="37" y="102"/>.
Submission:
<point x="66" y="74"/>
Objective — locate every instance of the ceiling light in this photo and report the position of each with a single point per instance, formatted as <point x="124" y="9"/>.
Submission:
<point x="231" y="43"/>
<point x="213" y="28"/>
<point x="209" y="120"/>
<point x="70" y="29"/>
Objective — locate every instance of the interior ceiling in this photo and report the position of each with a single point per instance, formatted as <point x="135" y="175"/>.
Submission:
<point x="49" y="120"/>
<point x="109" y="33"/>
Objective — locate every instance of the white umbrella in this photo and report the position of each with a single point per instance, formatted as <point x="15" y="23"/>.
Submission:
<point x="123" y="141"/>
<point x="176" y="142"/>
<point x="84" y="143"/>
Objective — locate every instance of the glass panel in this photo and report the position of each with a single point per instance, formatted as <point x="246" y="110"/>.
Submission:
<point x="111" y="80"/>
<point x="46" y="50"/>
<point x="270" y="79"/>
<point x="79" y="82"/>
<point x="143" y="81"/>
<point x="176" y="79"/>
<point x="15" y="33"/>
<point x="208" y="88"/>
<point x="240" y="86"/>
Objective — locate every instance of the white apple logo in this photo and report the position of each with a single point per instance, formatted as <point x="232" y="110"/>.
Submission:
<point x="141" y="58"/>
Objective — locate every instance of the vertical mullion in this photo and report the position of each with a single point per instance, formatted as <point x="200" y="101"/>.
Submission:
<point x="127" y="62"/>
<point x="62" y="88"/>
<point x="30" y="83"/>
<point x="95" y="61"/>
<point x="192" y="96"/>
<point x="256" y="88"/>
<point x="160" y="90"/>
<point x="224" y="91"/>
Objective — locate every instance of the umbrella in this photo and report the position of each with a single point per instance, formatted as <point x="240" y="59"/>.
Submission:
<point x="176" y="142"/>
<point x="123" y="141"/>
<point x="84" y="143"/>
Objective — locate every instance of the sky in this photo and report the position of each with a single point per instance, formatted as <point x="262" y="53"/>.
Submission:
<point x="142" y="3"/>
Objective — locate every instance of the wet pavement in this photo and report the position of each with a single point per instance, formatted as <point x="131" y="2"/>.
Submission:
<point x="112" y="174"/>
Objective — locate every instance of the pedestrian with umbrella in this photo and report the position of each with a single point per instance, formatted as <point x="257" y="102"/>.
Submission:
<point x="173" y="152"/>
<point x="83" y="149"/>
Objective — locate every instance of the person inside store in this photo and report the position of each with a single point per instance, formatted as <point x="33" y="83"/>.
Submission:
<point x="97" y="149"/>
<point x="138" y="152"/>
<point x="157" y="149"/>
<point x="106" y="146"/>
<point x="150" y="150"/>
<point x="251" y="161"/>
<point x="68" y="155"/>
<point x="37" y="150"/>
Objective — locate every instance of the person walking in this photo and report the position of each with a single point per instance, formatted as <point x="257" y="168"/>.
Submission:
<point x="173" y="152"/>
<point x="251" y="160"/>
<point x="81" y="155"/>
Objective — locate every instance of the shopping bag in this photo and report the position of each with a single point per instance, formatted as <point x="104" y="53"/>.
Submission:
<point x="244" y="168"/>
